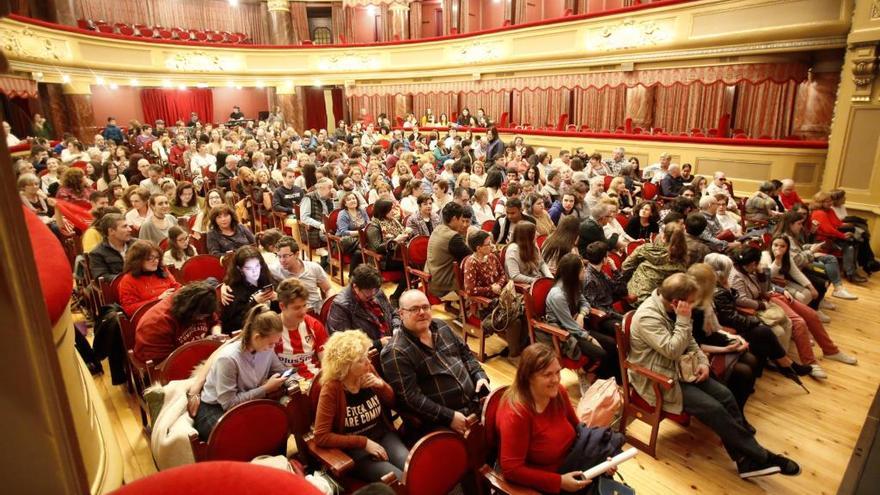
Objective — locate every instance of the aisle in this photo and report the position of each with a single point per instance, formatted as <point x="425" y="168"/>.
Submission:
<point x="818" y="430"/>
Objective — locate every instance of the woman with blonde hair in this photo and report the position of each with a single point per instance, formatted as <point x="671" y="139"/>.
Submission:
<point x="243" y="371"/>
<point x="482" y="209"/>
<point x="652" y="262"/>
<point x="729" y="358"/>
<point x="350" y="413"/>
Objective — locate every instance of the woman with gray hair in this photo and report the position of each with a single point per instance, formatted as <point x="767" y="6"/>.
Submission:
<point x="763" y="343"/>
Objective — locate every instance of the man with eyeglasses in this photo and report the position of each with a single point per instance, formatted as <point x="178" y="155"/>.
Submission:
<point x="431" y="369"/>
<point x="312" y="276"/>
<point x="363" y="306"/>
<point x="592" y="230"/>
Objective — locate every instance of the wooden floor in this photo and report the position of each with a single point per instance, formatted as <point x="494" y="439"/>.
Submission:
<point x="818" y="430"/>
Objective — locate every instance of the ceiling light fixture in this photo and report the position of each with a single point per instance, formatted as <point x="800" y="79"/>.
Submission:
<point x="133" y="82"/>
<point x="65" y="79"/>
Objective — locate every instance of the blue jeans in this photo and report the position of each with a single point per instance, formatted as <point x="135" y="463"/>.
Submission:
<point x="849" y="258"/>
<point x="206" y="418"/>
<point x="368" y="469"/>
<point x="829" y="263"/>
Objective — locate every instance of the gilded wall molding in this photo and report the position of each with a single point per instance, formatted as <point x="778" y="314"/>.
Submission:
<point x="864" y="71"/>
<point x="27" y="43"/>
<point x="278" y="5"/>
<point x="631" y="33"/>
<point x="201" y="61"/>
<point x="875" y="9"/>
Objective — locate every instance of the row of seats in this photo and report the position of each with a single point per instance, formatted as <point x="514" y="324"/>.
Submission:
<point x="163" y="33"/>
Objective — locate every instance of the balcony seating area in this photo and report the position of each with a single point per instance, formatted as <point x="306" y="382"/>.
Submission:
<point x="164" y="33"/>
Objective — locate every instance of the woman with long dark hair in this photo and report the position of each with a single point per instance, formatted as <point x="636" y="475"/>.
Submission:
<point x="523" y="260"/>
<point x="562" y="241"/>
<point x="568" y="308"/>
<point x="384" y="235"/>
<point x="496" y="146"/>
<point x="143" y="277"/>
<point x="251" y="283"/>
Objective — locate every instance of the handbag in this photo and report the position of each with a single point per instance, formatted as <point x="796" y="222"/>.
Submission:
<point x="610" y="486"/>
<point x="601" y="404"/>
<point x="507" y="310"/>
<point x="687" y="366"/>
<point x="772" y="315"/>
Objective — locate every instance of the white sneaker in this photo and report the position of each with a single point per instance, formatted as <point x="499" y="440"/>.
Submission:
<point x="843" y="358"/>
<point x="842" y="293"/>
<point x="817" y="372"/>
<point x="826" y="304"/>
<point x="823" y="317"/>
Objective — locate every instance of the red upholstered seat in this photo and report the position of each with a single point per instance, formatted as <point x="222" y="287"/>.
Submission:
<point x="220" y="478"/>
<point x="180" y="363"/>
<point x="53" y="268"/>
<point x="325" y="307"/>
<point x="414" y="258"/>
<point x="200" y="267"/>
<point x="649" y="191"/>
<point x="536" y="309"/>
<point x="235" y="437"/>
<point x="424" y="475"/>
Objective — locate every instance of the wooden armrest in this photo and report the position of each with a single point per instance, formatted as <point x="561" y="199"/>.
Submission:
<point x="521" y="287"/>
<point x="337" y="461"/>
<point x="372" y="254"/>
<point x="664" y="381"/>
<point x="425" y="276"/>
<point x="551" y="329"/>
<point x="779" y="281"/>
<point x="597" y="313"/>
<point x="747" y="311"/>
<point x="497" y="481"/>
<point x="479" y="300"/>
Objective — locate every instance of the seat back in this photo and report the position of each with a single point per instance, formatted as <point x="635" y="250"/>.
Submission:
<point x="423" y="474"/>
<point x="330" y="221"/>
<point x="129" y="324"/>
<point x="417" y="251"/>
<point x="325" y="308"/>
<point x="649" y="191"/>
<point x="490" y="412"/>
<point x="622" y="336"/>
<point x="200" y="267"/>
<point x="180" y="364"/>
<point x="633" y="245"/>
<point x="488" y="225"/>
<point x="236" y="436"/>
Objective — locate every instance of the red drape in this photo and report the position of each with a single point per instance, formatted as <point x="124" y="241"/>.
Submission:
<point x="766" y="109"/>
<point x="540" y="107"/>
<point x="338" y="104"/>
<point x="494" y="104"/>
<point x="316" y="109"/>
<point x="680" y="108"/>
<point x="600" y="110"/>
<point x="171" y="105"/>
<point x="438" y="103"/>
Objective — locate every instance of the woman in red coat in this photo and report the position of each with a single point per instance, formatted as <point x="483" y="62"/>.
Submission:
<point x="831" y="230"/>
<point x="537" y="426"/>
<point x="143" y="278"/>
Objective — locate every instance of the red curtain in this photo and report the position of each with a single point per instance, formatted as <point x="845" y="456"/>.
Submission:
<point x="316" y="109"/>
<point x="765" y="109"/>
<point x="540" y="107"/>
<point x="599" y="109"/>
<point x="171" y="105"/>
<point x="680" y="108"/>
<point x="494" y="104"/>
<point x="438" y="103"/>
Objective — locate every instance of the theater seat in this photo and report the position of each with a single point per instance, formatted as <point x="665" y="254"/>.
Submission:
<point x="219" y="478"/>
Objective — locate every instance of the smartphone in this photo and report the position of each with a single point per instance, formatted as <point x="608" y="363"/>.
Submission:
<point x="778" y="290"/>
<point x="287" y="373"/>
<point x="267" y="288"/>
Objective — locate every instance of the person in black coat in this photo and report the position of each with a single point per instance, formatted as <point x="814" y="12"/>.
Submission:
<point x="591" y="230"/>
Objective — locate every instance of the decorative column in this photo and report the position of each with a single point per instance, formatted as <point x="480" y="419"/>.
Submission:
<point x="79" y="111"/>
<point x="415" y="19"/>
<point x="399" y="21"/>
<point x="289" y="98"/>
<point x="52" y="95"/>
<point x="854" y="145"/>
<point x="280" y="27"/>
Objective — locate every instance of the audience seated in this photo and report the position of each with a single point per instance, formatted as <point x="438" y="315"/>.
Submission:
<point x="522" y="258"/>
<point x="156" y="227"/>
<point x="651" y="263"/>
<point x="662" y="332"/>
<point x="245" y="369"/>
<point x="645" y="221"/>
<point x="291" y="265"/>
<point x="363" y="305"/>
<point x="248" y="278"/>
<point x="187" y="315"/>
<point x="433" y="372"/>
<point x="756" y="290"/>
<point x="568" y="309"/>
<point x="386" y="235"/>
<point x="226" y="233"/>
<point x="304" y="337"/>
<point x="540" y="434"/>
<point x="352" y="409"/>
<point x="143" y="277"/>
<point x="561" y="242"/>
<point x="446" y="246"/>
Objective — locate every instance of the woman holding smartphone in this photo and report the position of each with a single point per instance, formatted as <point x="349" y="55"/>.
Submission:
<point x="249" y="279"/>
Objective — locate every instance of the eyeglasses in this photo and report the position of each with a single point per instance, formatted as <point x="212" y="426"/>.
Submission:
<point x="424" y="308"/>
<point x="152" y="258"/>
